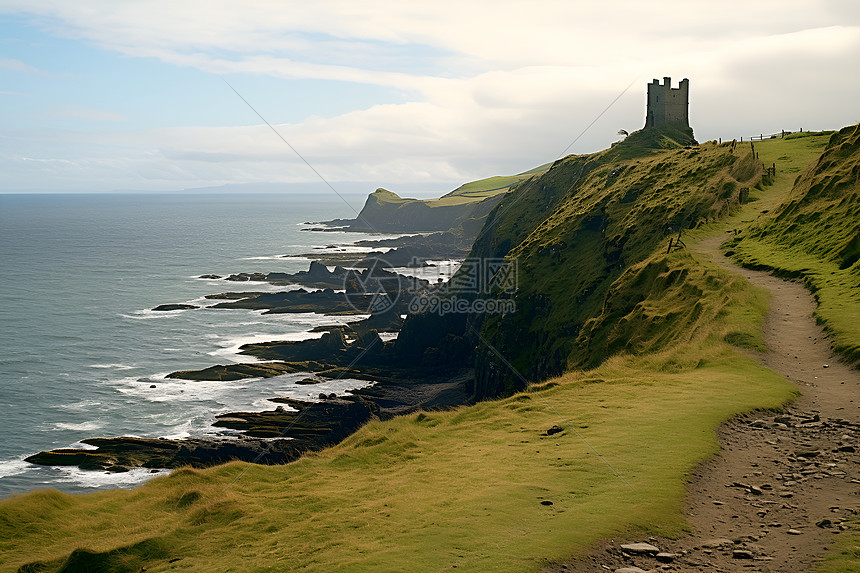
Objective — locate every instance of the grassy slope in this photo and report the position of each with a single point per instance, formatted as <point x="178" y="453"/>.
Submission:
<point x="815" y="234"/>
<point x="578" y="228"/>
<point x="433" y="490"/>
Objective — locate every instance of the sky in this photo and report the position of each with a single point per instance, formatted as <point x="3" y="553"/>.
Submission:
<point x="114" y="95"/>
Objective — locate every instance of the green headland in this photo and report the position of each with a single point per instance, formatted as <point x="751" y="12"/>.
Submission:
<point x="625" y="338"/>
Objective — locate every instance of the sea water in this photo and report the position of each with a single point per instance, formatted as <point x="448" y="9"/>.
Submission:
<point x="80" y="347"/>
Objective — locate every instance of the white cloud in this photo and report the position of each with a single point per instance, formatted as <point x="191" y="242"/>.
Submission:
<point x="497" y="87"/>
<point x="19" y="66"/>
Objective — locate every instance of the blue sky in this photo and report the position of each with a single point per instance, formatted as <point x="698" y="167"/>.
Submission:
<point x="100" y="95"/>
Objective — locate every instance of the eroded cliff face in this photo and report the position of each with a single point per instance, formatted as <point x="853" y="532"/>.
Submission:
<point x="574" y="232"/>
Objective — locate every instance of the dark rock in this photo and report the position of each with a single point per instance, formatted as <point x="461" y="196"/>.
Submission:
<point x="246" y="277"/>
<point x="230" y="372"/>
<point x="212" y="277"/>
<point x="546" y="502"/>
<point x="169" y="307"/>
<point x="120" y="454"/>
<point x="554" y="430"/>
<point x="308" y="381"/>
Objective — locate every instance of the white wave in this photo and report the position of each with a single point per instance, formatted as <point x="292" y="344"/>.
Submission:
<point x="312" y="319"/>
<point x="100" y="480"/>
<point x="298" y="258"/>
<point x="149" y="314"/>
<point x="81" y="427"/>
<point x="441" y="269"/>
<point x="13" y="467"/>
<point x="350" y="249"/>
<point x="388" y="336"/>
<point x="80" y="406"/>
<point x="180" y="431"/>
<point x="230" y="347"/>
<point x="266" y="257"/>
<point x="114" y="366"/>
<point x="82" y="446"/>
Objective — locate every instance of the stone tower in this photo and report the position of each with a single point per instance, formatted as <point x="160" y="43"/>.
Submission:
<point x="667" y="104"/>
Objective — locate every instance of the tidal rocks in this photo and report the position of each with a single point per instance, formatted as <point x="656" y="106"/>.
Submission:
<point x="317" y="276"/>
<point x="246" y="277"/>
<point x="326" y="421"/>
<point x="228" y="372"/>
<point x="170" y="307"/>
<point x="286" y="435"/>
<point x="323" y="302"/>
<point x="121" y="454"/>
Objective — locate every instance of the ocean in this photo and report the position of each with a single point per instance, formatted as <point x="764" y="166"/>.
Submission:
<point x="80" y="348"/>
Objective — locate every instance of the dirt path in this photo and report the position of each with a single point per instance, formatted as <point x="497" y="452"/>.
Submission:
<point x="776" y="495"/>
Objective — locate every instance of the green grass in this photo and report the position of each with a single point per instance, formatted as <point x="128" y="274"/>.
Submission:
<point x="812" y="232"/>
<point x="483" y="188"/>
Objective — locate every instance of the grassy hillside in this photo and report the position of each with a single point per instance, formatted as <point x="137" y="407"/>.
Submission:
<point x="587" y="222"/>
<point x="815" y="234"/>
<point x="484" y="488"/>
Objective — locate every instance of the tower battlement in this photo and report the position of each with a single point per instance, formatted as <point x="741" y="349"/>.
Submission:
<point x="667" y="104"/>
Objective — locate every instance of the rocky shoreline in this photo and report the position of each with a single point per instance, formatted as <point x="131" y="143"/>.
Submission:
<point x="355" y="350"/>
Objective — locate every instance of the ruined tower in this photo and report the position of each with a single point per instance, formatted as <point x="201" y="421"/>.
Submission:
<point x="667" y="104"/>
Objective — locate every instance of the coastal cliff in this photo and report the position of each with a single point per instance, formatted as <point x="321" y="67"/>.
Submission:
<point x="604" y="270"/>
<point x="578" y="233"/>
